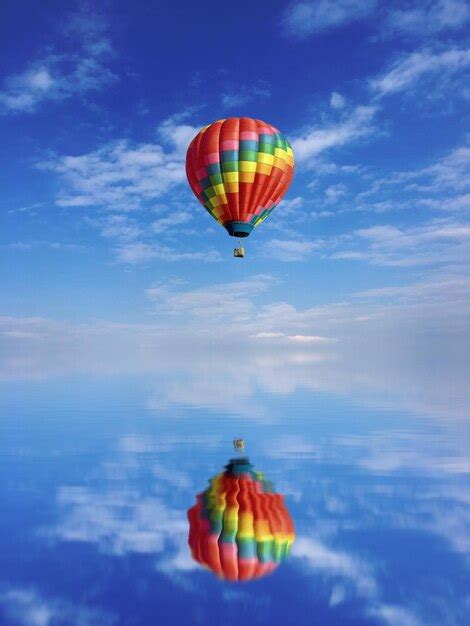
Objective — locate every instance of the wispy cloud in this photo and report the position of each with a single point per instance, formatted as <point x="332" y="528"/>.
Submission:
<point x="317" y="139"/>
<point x="393" y="615"/>
<point x="141" y="252"/>
<point x="441" y="186"/>
<point x="427" y="17"/>
<point x="30" y="209"/>
<point x="292" y="205"/>
<point x="335" y="192"/>
<point x="115" y="226"/>
<point x="172" y="221"/>
<point x="232" y="99"/>
<point x="221" y="301"/>
<point x="437" y="242"/>
<point x="41" y="243"/>
<point x="410" y="69"/>
<point x="304" y="18"/>
<point x="451" y="172"/>
<point x="60" y="76"/>
<point x="418" y="18"/>
<point x="290" y="250"/>
<point x="438" y="288"/>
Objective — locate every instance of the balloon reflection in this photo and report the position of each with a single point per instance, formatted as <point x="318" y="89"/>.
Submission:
<point x="239" y="527"/>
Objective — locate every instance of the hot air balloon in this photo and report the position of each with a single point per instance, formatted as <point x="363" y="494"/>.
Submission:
<point x="239" y="169"/>
<point x="240" y="528"/>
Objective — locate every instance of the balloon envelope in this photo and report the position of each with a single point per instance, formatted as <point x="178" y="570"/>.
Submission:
<point x="239" y="169"/>
<point x="239" y="527"/>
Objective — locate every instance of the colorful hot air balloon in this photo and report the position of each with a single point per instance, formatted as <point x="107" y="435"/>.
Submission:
<point x="239" y="169"/>
<point x="239" y="527"/>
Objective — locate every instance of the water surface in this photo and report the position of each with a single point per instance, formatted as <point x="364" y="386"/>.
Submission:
<point x="99" y="470"/>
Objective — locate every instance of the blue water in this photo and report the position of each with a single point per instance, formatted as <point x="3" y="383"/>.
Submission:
<point x="98" y="472"/>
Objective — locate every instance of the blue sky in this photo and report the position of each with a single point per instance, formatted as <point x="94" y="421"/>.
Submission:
<point x="98" y="103"/>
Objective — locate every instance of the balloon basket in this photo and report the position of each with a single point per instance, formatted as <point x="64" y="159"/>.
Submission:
<point x="239" y="252"/>
<point x="239" y="445"/>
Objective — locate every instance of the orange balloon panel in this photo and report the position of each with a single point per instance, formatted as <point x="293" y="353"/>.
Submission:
<point x="239" y="169"/>
<point x="240" y="528"/>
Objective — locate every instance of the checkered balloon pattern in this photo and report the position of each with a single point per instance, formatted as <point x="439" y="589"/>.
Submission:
<point x="240" y="528"/>
<point x="239" y="169"/>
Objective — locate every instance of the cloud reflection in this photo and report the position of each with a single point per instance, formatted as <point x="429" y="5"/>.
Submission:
<point x="121" y="515"/>
<point x="360" y="525"/>
<point x="27" y="607"/>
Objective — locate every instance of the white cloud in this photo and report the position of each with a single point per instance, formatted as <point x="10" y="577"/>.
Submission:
<point x="440" y="288"/>
<point x="334" y="192"/>
<point x="337" y="101"/>
<point x="119" y="176"/>
<point x="141" y="252"/>
<point x="293" y="205"/>
<point x="435" y="243"/>
<point x="441" y="186"/>
<point x="118" y="227"/>
<point x="452" y="172"/>
<point x="428" y="17"/>
<point x="315" y="140"/>
<point x="60" y="76"/>
<point x="411" y="68"/>
<point x="393" y="615"/>
<point x="289" y="250"/>
<point x="176" y="134"/>
<point x="305" y="18"/>
<point x="300" y="339"/>
<point x="225" y="301"/>
<point x="166" y="223"/>
<point x="460" y="203"/>
<point x="338" y="595"/>
<point x="309" y="338"/>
